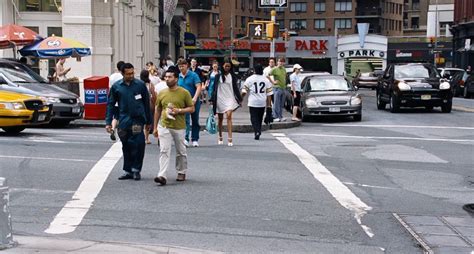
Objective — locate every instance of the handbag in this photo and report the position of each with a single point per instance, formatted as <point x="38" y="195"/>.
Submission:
<point x="211" y="125"/>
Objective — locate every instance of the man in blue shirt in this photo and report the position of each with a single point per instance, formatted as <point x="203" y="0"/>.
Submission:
<point x="191" y="82"/>
<point x="134" y="114"/>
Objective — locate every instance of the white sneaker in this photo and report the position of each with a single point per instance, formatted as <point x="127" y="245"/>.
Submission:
<point x="186" y="143"/>
<point x="276" y="119"/>
<point x="195" y="144"/>
<point x="283" y="119"/>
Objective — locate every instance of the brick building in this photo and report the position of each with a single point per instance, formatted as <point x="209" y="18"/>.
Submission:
<point x="463" y="33"/>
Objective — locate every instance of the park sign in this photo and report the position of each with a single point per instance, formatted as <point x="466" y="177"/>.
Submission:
<point x="272" y="3"/>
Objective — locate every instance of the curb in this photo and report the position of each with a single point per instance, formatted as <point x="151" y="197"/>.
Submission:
<point x="243" y="128"/>
<point x="463" y="109"/>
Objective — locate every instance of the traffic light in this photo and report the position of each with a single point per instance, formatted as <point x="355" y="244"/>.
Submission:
<point x="255" y="30"/>
<point x="272" y="30"/>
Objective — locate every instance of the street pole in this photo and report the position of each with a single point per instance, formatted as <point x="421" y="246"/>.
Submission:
<point x="436" y="35"/>
<point x="272" y="47"/>
<point x="231" y="31"/>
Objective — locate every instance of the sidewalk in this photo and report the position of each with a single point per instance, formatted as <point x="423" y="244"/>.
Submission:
<point x="241" y="120"/>
<point x="464" y="105"/>
<point x="50" y="245"/>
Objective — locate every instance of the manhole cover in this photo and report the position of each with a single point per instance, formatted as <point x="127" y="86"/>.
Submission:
<point x="469" y="208"/>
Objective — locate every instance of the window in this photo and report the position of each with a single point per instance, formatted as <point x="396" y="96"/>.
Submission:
<point x="40" y="5"/>
<point x="343" y="5"/>
<point x="319" y="5"/>
<point x="297" y="7"/>
<point x="343" y="23"/>
<point x="215" y="18"/>
<point x="215" y="2"/>
<point x="319" y="24"/>
<point x="243" y="22"/>
<point x="298" y="24"/>
<point x="250" y="4"/>
<point x="415" y="22"/>
<point x="415" y="5"/>
<point x="242" y="4"/>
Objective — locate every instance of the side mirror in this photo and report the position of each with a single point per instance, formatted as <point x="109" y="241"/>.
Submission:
<point x="356" y="88"/>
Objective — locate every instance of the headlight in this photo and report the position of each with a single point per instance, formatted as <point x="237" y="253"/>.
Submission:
<point x="311" y="102"/>
<point x="50" y="100"/>
<point x="403" y="86"/>
<point x="444" y="86"/>
<point x="356" y="100"/>
<point x="12" y="105"/>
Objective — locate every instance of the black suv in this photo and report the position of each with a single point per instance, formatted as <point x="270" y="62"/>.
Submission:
<point x="413" y="85"/>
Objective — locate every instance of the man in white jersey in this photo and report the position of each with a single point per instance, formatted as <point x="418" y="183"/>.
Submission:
<point x="260" y="90"/>
<point x="268" y="69"/>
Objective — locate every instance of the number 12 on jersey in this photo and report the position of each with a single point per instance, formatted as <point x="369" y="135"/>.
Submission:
<point x="260" y="88"/>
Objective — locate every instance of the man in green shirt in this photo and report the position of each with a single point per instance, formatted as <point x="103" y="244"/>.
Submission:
<point x="279" y="86"/>
<point x="171" y="106"/>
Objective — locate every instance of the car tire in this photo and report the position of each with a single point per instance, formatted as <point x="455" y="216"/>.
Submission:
<point x="60" y="123"/>
<point x="304" y="118"/>
<point x="429" y="108"/>
<point x="13" y="130"/>
<point x="358" y="117"/>
<point x="380" y="104"/>
<point x="446" y="108"/>
<point x="394" y="104"/>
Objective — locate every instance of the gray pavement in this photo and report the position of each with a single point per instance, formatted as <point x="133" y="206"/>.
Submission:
<point x="256" y="197"/>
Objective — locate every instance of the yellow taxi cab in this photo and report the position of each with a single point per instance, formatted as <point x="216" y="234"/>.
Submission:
<point x="18" y="111"/>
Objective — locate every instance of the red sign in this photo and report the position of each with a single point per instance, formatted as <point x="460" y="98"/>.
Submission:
<point x="265" y="47"/>
<point x="317" y="47"/>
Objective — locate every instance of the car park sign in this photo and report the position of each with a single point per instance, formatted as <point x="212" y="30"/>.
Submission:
<point x="272" y="3"/>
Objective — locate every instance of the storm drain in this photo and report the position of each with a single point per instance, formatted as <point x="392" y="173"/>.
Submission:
<point x="440" y="234"/>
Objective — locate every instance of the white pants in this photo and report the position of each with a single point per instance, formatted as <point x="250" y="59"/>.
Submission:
<point x="166" y="137"/>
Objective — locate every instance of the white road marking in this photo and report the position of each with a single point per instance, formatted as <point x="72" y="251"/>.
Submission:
<point x="369" y="186"/>
<point x="394" y="138"/>
<point x="399" y="126"/>
<point x="43" y="158"/>
<point x="40" y="191"/>
<point x="56" y="141"/>
<point x="74" y="211"/>
<point x="336" y="188"/>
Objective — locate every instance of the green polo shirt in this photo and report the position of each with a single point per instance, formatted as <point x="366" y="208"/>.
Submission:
<point x="279" y="75"/>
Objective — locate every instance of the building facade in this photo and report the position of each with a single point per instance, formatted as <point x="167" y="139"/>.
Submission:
<point x="463" y="33"/>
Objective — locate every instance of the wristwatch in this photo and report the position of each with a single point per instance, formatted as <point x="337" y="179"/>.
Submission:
<point x="179" y="110"/>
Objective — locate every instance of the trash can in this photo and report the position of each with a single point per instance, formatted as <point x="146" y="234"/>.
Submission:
<point x="95" y="97"/>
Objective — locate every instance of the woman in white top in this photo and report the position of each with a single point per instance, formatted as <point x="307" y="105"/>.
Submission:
<point x="296" y="79"/>
<point x="226" y="99"/>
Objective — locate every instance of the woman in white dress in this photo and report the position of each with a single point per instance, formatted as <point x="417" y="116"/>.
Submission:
<point x="226" y="98"/>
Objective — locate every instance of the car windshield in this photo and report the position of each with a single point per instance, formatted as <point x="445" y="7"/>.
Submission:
<point x="415" y="71"/>
<point x="32" y="73"/>
<point x="329" y="84"/>
<point x="16" y="74"/>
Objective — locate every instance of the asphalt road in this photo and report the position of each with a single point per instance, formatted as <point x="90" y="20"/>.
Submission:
<point x="295" y="190"/>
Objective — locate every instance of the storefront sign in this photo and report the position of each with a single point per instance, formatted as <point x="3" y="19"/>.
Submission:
<point x="265" y="47"/>
<point x="361" y="53"/>
<point x="403" y="54"/>
<point x="214" y="44"/>
<point x="189" y="40"/>
<point x="317" y="47"/>
<point x="311" y="47"/>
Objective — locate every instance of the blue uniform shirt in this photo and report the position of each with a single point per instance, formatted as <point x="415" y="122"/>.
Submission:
<point x="189" y="82"/>
<point x="133" y="102"/>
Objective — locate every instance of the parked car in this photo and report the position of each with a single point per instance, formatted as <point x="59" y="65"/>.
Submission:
<point x="17" y="77"/>
<point x="468" y="86"/>
<point x="329" y="95"/>
<point x="366" y="79"/>
<point x="18" y="111"/>
<point x="448" y="73"/>
<point x="288" y="94"/>
<point x="413" y="85"/>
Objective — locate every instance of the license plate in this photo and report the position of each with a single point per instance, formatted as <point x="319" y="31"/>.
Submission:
<point x="426" y="97"/>
<point x="41" y="117"/>
<point x="76" y="110"/>
<point x="334" y="110"/>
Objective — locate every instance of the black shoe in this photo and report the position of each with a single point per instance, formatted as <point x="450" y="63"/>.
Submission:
<point x="137" y="176"/>
<point x="126" y="176"/>
<point x="161" y="180"/>
<point x="257" y="136"/>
